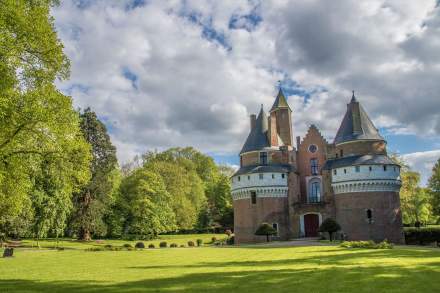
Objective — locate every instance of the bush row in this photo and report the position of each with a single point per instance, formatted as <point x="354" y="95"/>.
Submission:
<point x="141" y="245"/>
<point x="423" y="235"/>
<point x="367" y="244"/>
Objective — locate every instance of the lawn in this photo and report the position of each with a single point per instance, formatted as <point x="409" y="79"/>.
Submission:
<point x="223" y="269"/>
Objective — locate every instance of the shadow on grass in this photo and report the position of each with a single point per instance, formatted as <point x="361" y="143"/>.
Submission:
<point x="333" y="279"/>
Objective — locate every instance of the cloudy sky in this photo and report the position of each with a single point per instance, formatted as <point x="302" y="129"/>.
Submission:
<point x="179" y="73"/>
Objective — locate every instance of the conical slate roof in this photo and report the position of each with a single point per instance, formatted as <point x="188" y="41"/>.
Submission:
<point x="257" y="138"/>
<point x="356" y="125"/>
<point x="280" y="102"/>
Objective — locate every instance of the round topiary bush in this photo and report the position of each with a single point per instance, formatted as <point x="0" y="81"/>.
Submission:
<point x="191" y="243"/>
<point x="199" y="242"/>
<point x="331" y="226"/>
<point x="266" y="230"/>
<point x="173" y="245"/>
<point x="182" y="245"/>
<point x="151" y="245"/>
<point x="127" y="245"/>
<point x="213" y="239"/>
<point x="140" y="245"/>
<point x="163" y="244"/>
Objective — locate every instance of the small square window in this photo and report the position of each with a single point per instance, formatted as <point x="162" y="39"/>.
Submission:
<point x="261" y="176"/>
<point x="253" y="197"/>
<point x="273" y="176"/>
<point x="358" y="169"/>
<point x="384" y="167"/>
<point x="370" y="168"/>
<point x="249" y="177"/>
<point x="345" y="171"/>
<point x="238" y="178"/>
<point x="335" y="172"/>
<point x="283" y="175"/>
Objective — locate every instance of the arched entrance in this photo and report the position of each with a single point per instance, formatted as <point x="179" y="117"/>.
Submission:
<point x="311" y="225"/>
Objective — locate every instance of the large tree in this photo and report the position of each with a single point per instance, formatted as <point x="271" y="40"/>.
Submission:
<point x="144" y="205"/>
<point x="93" y="201"/>
<point x="415" y="201"/>
<point x="434" y="186"/>
<point x="37" y="122"/>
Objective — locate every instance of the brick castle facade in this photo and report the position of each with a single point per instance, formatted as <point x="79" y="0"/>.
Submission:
<point x="351" y="180"/>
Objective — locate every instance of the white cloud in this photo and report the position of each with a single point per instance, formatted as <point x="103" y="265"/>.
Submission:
<point x="422" y="162"/>
<point x="175" y="73"/>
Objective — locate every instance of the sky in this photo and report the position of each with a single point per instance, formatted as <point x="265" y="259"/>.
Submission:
<point x="189" y="73"/>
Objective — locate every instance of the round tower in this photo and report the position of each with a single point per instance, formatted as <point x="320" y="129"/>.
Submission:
<point x="260" y="186"/>
<point x="365" y="181"/>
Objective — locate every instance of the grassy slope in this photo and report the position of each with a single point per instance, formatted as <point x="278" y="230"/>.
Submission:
<point x="251" y="269"/>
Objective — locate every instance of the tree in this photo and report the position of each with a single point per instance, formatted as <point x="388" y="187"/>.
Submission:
<point x="37" y="122"/>
<point x="415" y="201"/>
<point x="93" y="201"/>
<point x="145" y="205"/>
<point x="331" y="226"/>
<point x="434" y="186"/>
<point x="266" y="230"/>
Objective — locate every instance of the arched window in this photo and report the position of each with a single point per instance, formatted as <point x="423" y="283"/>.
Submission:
<point x="314" y="195"/>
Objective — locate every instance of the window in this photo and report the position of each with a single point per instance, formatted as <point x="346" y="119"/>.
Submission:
<point x="384" y="167"/>
<point x="313" y="148"/>
<point x="314" y="191"/>
<point x="345" y="171"/>
<point x="238" y="178"/>
<point x="283" y="175"/>
<point x="335" y="172"/>
<point x="261" y="176"/>
<point x="358" y="169"/>
<point x="394" y="169"/>
<point x="273" y="176"/>
<point x="241" y="161"/>
<point x="249" y="177"/>
<point x="275" y="226"/>
<point x="369" y="168"/>
<point x="263" y="158"/>
<point x="253" y="197"/>
<point x="369" y="216"/>
<point x="341" y="152"/>
<point x="314" y="168"/>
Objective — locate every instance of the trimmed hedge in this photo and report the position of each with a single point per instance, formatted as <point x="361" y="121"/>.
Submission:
<point x="367" y="244"/>
<point x="423" y="235"/>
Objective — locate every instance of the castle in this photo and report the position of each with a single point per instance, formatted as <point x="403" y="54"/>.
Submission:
<point x="351" y="180"/>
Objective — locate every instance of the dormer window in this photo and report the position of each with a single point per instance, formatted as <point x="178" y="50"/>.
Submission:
<point x="263" y="158"/>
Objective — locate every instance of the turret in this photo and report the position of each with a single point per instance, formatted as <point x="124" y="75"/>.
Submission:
<point x="280" y="122"/>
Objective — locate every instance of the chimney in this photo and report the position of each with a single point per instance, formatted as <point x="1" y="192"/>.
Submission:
<point x="253" y="121"/>
<point x="298" y="141"/>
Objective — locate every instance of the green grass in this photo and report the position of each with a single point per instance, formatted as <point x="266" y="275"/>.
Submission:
<point x="223" y="269"/>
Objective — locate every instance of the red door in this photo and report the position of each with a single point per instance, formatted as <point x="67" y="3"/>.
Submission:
<point x="311" y="225"/>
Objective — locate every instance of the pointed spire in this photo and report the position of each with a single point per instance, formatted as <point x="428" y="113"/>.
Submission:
<point x="280" y="101"/>
<point x="257" y="138"/>
<point x="356" y="125"/>
<point x="353" y="98"/>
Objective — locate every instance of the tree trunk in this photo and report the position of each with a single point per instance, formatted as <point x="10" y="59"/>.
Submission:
<point x="267" y="237"/>
<point x="85" y="235"/>
<point x="331" y="236"/>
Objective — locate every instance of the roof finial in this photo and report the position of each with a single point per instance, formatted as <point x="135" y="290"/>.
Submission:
<point x="261" y="107"/>
<point x="353" y="98"/>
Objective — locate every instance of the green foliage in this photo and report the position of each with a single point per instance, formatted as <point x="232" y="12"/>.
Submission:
<point x="423" y="235"/>
<point x="191" y="244"/>
<point x="163" y="244"/>
<point x="173" y="245"/>
<point x="145" y="205"/>
<point x="266" y="230"/>
<point x="151" y="245"/>
<point x="367" y="244"/>
<point x="331" y="226"/>
<point x="43" y="157"/>
<point x="139" y="245"/>
<point x="94" y="200"/>
<point x="199" y="242"/>
<point x="434" y="186"/>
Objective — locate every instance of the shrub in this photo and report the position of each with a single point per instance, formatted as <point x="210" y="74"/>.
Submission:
<point x="151" y="245"/>
<point x="230" y="240"/>
<point x="199" y="242"/>
<point x="127" y="245"/>
<point x="331" y="226"/>
<point x="266" y="230"/>
<point x="191" y="243"/>
<point x="163" y="244"/>
<point x="421" y="236"/>
<point x="108" y="246"/>
<point x="140" y="245"/>
<point x="95" y="249"/>
<point x="228" y="232"/>
<point x="174" y="245"/>
<point x="182" y="245"/>
<point x="367" y="244"/>
<point x="213" y="239"/>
